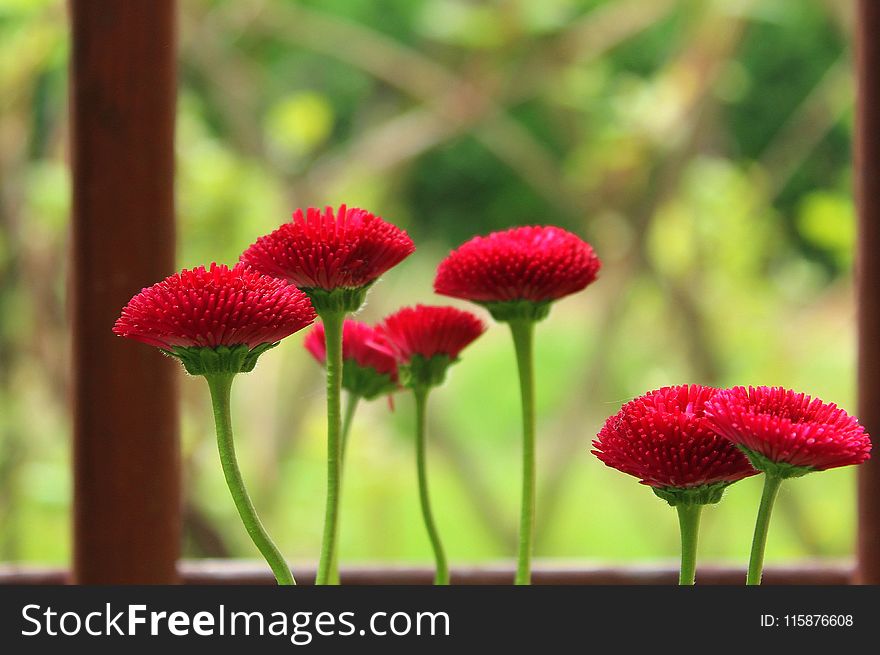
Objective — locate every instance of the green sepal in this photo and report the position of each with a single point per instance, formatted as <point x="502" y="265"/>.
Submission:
<point x="425" y="372"/>
<point x="781" y="470"/>
<point x="342" y="300"/>
<point x="201" y="360"/>
<point x="707" y="494"/>
<point x="518" y="310"/>
<point x="365" y="381"/>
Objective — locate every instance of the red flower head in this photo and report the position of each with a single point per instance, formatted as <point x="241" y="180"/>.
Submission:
<point x="535" y="264"/>
<point x="369" y="366"/>
<point x="323" y="251"/>
<point x="664" y="439"/>
<point x="428" y="331"/>
<point x="788" y="433"/>
<point x="361" y="343"/>
<point x="426" y="337"/>
<point x="215" y="308"/>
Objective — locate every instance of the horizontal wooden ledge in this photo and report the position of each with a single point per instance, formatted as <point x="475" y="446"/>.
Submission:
<point x="245" y="572"/>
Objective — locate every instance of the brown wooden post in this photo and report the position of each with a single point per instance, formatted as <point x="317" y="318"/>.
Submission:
<point x="126" y="464"/>
<point x="867" y="168"/>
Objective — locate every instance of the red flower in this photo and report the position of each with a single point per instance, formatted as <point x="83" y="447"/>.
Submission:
<point x="664" y="439"/>
<point x="325" y="251"/>
<point x="215" y="307"/>
<point x="537" y="264"/>
<point x="364" y="345"/>
<point x="429" y="331"/>
<point x="789" y="428"/>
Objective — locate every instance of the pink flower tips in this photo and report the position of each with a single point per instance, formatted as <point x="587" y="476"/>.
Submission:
<point x="369" y="366"/>
<point x="428" y="331"/>
<point x="664" y="439"/>
<point x="791" y="433"/>
<point x="349" y="248"/>
<point x="534" y="264"/>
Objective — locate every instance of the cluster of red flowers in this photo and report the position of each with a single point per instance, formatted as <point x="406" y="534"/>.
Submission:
<point x="674" y="439"/>
<point x="689" y="436"/>
<point x="259" y="301"/>
<point x="664" y="439"/>
<point x="677" y="436"/>
<point x="376" y="352"/>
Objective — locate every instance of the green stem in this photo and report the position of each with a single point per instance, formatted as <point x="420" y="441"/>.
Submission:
<point x="333" y="340"/>
<point x="523" y="331"/>
<point x="442" y="575"/>
<point x="221" y="386"/>
<point x="351" y="404"/>
<point x="689" y="524"/>
<point x="762" y="526"/>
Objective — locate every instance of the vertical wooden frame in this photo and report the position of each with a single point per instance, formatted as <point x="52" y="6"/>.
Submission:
<point x="126" y="465"/>
<point x="867" y="171"/>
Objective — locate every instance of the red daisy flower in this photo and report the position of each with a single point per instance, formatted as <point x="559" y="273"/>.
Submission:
<point x="664" y="439"/>
<point x="215" y="307"/>
<point x="789" y="428"/>
<point x="538" y="264"/>
<point x="323" y="250"/>
<point x="429" y="331"/>
<point x="361" y="343"/>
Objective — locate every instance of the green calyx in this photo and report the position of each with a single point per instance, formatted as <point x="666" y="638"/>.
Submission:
<point x="518" y="310"/>
<point x="707" y="494"/>
<point x="425" y="372"/>
<point x="201" y="360"/>
<point x="341" y="300"/>
<point x="780" y="470"/>
<point x="364" y="381"/>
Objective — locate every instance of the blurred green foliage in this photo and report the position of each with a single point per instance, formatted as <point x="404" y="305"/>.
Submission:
<point x="701" y="145"/>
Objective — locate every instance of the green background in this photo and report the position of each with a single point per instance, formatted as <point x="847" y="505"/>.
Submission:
<point x="702" y="147"/>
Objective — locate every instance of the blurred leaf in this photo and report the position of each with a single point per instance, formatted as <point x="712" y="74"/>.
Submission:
<point x="48" y="196"/>
<point x="827" y="220"/>
<point x="299" y="123"/>
<point x="546" y="15"/>
<point x="462" y="23"/>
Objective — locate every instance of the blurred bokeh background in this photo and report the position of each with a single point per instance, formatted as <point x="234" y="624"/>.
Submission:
<point x="702" y="146"/>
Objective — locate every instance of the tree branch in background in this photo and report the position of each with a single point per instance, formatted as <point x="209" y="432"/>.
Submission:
<point x="820" y="111"/>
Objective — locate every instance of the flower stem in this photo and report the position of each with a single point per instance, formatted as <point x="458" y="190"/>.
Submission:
<point x="689" y="524"/>
<point x="221" y="386"/>
<point x="333" y="340"/>
<point x="523" y="331"/>
<point x="762" y="526"/>
<point x="442" y="574"/>
<point x="351" y="404"/>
